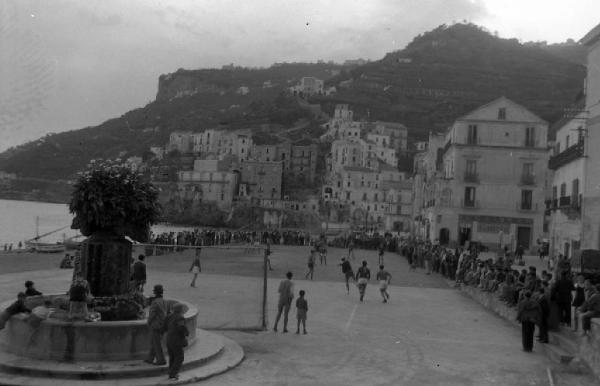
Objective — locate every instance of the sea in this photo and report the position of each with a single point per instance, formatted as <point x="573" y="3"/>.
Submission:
<point x="23" y="220"/>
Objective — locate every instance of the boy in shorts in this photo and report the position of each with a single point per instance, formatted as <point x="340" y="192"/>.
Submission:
<point x="384" y="279"/>
<point x="301" y="310"/>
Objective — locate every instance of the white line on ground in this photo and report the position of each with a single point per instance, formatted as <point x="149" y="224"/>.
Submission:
<point x="347" y="326"/>
<point x="550" y="376"/>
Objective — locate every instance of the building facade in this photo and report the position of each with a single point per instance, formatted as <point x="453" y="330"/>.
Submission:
<point x="490" y="188"/>
<point x="209" y="181"/>
<point x="568" y="166"/>
<point x="261" y="180"/>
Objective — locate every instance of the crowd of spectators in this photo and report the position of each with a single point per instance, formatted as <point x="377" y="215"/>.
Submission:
<point x="562" y="292"/>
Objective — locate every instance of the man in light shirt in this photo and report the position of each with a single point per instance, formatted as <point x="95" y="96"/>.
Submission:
<point x="286" y="294"/>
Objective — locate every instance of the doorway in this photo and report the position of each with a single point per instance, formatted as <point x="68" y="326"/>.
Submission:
<point x="524" y="237"/>
<point x="444" y="236"/>
<point x="464" y="235"/>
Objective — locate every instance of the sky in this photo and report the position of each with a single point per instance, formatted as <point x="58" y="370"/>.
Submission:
<point x="69" y="64"/>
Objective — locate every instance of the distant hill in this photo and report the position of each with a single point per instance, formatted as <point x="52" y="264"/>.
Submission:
<point x="450" y="70"/>
<point x="439" y="76"/>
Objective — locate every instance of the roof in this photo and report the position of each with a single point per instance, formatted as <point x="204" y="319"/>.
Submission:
<point x="502" y="99"/>
<point x="591" y="37"/>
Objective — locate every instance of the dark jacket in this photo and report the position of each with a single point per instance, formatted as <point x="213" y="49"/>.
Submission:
<point x="562" y="291"/>
<point x="176" y="331"/>
<point x="139" y="271"/>
<point x="17" y="307"/>
<point x="529" y="310"/>
<point x="579" y="297"/>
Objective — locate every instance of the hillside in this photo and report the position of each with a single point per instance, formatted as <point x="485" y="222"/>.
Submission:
<point x="450" y="70"/>
<point x="439" y="76"/>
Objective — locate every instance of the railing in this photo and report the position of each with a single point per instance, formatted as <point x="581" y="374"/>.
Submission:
<point x="527" y="179"/>
<point x="471" y="177"/>
<point x="523" y="207"/>
<point x="568" y="155"/>
<point x="564" y="201"/>
<point x="470" y="204"/>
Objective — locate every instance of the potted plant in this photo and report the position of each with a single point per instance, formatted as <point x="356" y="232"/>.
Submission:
<point x="111" y="201"/>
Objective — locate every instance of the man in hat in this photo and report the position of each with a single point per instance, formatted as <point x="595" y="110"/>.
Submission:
<point x="156" y="321"/>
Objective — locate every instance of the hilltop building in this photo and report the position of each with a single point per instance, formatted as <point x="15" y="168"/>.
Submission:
<point x="307" y="86"/>
<point x="298" y="159"/>
<point x="489" y="184"/>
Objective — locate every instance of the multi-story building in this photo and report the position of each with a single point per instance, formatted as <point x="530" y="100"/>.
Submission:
<point x="493" y="169"/>
<point x="591" y="194"/>
<point x="342" y="125"/>
<point x="396" y="133"/>
<point x="568" y="164"/>
<point x="376" y="197"/>
<point x="361" y="153"/>
<point x="220" y="143"/>
<point x="261" y="180"/>
<point x="308" y="85"/>
<point x="299" y="160"/>
<point x="209" y="181"/>
<point x="180" y="141"/>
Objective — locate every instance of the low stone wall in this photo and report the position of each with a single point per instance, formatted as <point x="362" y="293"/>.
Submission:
<point x="589" y="346"/>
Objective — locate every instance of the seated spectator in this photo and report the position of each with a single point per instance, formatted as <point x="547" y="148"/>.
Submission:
<point x="15" y="308"/>
<point x="66" y="262"/>
<point x="30" y="289"/>
<point x="590" y="309"/>
<point x="78" y="296"/>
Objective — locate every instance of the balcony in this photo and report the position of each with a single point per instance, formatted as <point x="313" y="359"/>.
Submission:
<point x="564" y="157"/>
<point x="470" y="204"/>
<point x="527" y="179"/>
<point x="471" y="177"/>
<point x="564" y="202"/>
<point x="526" y="207"/>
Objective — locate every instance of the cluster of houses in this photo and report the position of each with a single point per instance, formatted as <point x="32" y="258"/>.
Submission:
<point x="494" y="177"/>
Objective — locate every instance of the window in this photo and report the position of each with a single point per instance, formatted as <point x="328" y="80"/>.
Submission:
<point x="222" y="197"/>
<point x="339" y="184"/>
<point x="567" y="142"/>
<point x="469" y="196"/>
<point x="472" y="135"/>
<point x="575" y="192"/>
<point x="362" y="183"/>
<point x="526" y="198"/>
<point x="557" y="148"/>
<point x="563" y="189"/>
<point x="348" y="183"/>
<point x="471" y="167"/>
<point x="364" y="196"/>
<point x="529" y="136"/>
<point x="347" y="195"/>
<point x="375" y="198"/>
<point x="528" y="169"/>
<point x="502" y="113"/>
<point x="554" y="193"/>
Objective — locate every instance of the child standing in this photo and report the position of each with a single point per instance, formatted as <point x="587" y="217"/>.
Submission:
<point x="302" y="309"/>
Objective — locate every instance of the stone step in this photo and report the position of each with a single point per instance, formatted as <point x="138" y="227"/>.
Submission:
<point x="557" y="354"/>
<point x="564" y="341"/>
<point x="207" y="346"/>
<point x="229" y="357"/>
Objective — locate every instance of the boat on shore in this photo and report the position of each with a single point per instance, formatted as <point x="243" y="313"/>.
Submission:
<point x="37" y="246"/>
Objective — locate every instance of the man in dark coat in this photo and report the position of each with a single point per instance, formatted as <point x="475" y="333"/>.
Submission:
<point x="176" y="340"/>
<point x="15" y="308"/>
<point x="156" y="323"/>
<point x="563" y="296"/>
<point x="529" y="314"/>
<point x="545" y="306"/>
<point x="139" y="273"/>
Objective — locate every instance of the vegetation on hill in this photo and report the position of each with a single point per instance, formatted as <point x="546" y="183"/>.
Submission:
<point x="439" y="76"/>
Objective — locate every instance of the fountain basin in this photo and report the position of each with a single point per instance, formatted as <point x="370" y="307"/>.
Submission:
<point x="60" y="340"/>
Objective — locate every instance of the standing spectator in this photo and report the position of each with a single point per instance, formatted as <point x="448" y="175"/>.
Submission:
<point x="351" y="249"/>
<point x="30" y="289"/>
<point x="311" y="264"/>
<point x="17" y="307"/>
<point x="156" y="322"/>
<point x="380" y="252"/>
<point x="363" y="275"/>
<point x="139" y="274"/>
<point x="286" y="295"/>
<point x="590" y="309"/>
<point x="384" y="279"/>
<point x="542" y="300"/>
<point x="195" y="268"/>
<point x="268" y="254"/>
<point x="529" y="314"/>
<point x="301" y="311"/>
<point x="176" y="340"/>
<point x="562" y="291"/>
<point x="348" y="273"/>
<point x="579" y="298"/>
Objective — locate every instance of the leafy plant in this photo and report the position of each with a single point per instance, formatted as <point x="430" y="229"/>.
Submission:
<point x="112" y="197"/>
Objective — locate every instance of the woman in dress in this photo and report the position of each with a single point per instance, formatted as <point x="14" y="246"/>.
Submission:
<point x="195" y="268"/>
